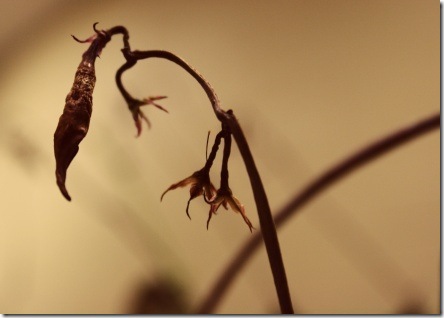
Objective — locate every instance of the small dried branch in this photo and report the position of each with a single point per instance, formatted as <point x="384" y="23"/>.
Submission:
<point x="228" y="119"/>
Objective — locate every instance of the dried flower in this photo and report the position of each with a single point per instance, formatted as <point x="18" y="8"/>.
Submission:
<point x="225" y="197"/>
<point x="138" y="115"/>
<point x="200" y="185"/>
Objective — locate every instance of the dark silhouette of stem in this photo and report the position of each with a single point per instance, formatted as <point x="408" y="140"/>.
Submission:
<point x="213" y="153"/>
<point x="224" y="169"/>
<point x="314" y="188"/>
<point x="268" y="229"/>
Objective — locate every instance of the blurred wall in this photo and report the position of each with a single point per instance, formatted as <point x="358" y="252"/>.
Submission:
<point x="310" y="81"/>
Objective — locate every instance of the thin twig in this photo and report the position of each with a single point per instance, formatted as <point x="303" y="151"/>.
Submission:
<point x="314" y="188"/>
<point x="265" y="218"/>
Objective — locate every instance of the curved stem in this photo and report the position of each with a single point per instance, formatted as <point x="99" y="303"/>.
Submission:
<point x="268" y="229"/>
<point x="314" y="188"/>
<point x="133" y="56"/>
<point x="213" y="153"/>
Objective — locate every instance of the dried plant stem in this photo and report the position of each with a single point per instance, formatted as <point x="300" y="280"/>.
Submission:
<point x="314" y="188"/>
<point x="268" y="229"/>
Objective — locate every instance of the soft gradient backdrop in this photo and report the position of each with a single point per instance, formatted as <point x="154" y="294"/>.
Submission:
<point x="310" y="81"/>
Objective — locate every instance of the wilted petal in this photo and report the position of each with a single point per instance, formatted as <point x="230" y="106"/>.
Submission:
<point x="200" y="184"/>
<point x="225" y="197"/>
<point x="150" y="101"/>
<point x="210" y="191"/>
<point x="190" y="180"/>
<point x="238" y="207"/>
<point x="209" y="216"/>
<point x="138" y="115"/>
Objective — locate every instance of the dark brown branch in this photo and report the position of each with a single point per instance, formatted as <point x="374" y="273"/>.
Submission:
<point x="265" y="218"/>
<point x="133" y="56"/>
<point x="314" y="188"/>
<point x="226" y="155"/>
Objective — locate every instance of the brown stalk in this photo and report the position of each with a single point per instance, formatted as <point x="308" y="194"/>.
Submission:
<point x="268" y="229"/>
<point x="314" y="188"/>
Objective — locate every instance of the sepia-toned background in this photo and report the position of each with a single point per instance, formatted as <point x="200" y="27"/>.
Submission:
<point x="310" y="82"/>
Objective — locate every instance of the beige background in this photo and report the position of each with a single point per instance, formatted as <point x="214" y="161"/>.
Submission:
<point x="310" y="81"/>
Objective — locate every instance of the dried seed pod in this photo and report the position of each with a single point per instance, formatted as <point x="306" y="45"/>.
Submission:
<point x="74" y="122"/>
